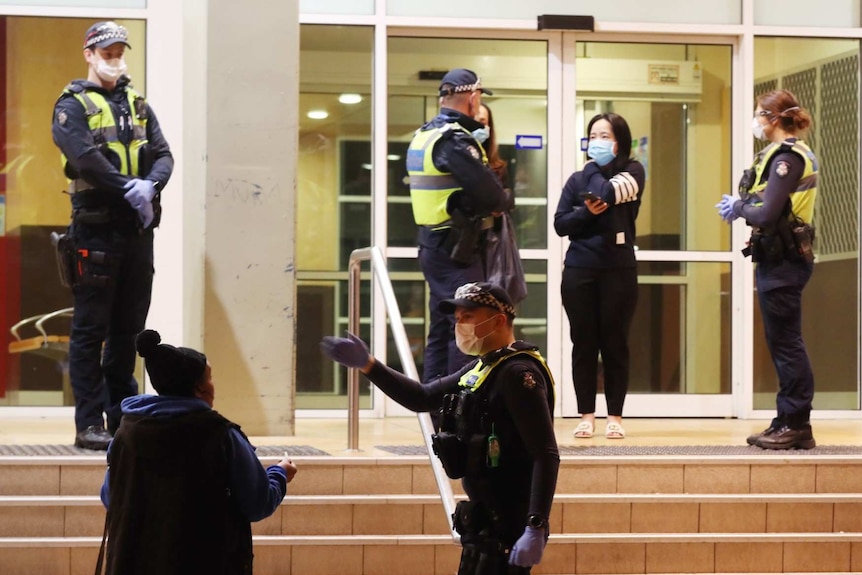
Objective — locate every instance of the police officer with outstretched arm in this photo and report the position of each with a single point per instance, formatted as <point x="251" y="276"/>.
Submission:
<point x="454" y="194"/>
<point x="496" y="429"/>
<point x="117" y="162"/>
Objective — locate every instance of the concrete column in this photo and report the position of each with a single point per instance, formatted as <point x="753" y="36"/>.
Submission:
<point x="252" y="101"/>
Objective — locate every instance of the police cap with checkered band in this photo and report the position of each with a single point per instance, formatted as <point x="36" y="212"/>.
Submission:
<point x="104" y="34"/>
<point x="460" y="80"/>
<point x="479" y="294"/>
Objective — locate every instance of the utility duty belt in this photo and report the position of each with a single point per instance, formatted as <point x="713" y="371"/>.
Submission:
<point x="80" y="266"/>
<point x="103" y="216"/>
<point x="788" y="241"/>
<point x="484" y="551"/>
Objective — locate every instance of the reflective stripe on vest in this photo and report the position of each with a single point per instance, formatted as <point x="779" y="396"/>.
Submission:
<point x="430" y="187"/>
<point x="103" y="127"/>
<point x="802" y="200"/>
<point x="474" y="378"/>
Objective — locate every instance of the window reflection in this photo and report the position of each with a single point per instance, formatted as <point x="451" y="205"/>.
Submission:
<point x="41" y="56"/>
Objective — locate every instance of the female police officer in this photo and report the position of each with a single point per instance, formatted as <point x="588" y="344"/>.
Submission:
<point x="777" y="201"/>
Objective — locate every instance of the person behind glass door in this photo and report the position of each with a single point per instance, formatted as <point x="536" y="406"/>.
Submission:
<point x="488" y="139"/>
<point x="117" y="162"/>
<point x="454" y="195"/>
<point x="777" y="201"/>
<point x="597" y="211"/>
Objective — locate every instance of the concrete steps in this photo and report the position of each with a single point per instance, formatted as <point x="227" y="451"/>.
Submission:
<point x="362" y="516"/>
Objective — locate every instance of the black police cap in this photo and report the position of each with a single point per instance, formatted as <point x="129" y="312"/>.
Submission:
<point x="461" y="80"/>
<point x="104" y="34"/>
<point x="479" y="294"/>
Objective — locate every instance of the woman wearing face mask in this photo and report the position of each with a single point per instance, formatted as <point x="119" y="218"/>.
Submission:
<point x="597" y="211"/>
<point x="778" y="194"/>
<point x="487" y="136"/>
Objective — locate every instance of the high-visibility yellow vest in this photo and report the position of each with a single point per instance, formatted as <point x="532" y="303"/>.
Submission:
<point x="103" y="126"/>
<point x="802" y="200"/>
<point x="474" y="378"/>
<point x="430" y="187"/>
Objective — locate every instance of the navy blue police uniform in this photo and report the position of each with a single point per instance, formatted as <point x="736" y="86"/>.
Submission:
<point x="107" y="138"/>
<point x="453" y="193"/>
<point x="782" y="197"/>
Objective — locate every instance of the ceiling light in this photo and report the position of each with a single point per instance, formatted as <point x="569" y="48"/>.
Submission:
<point x="393" y="157"/>
<point x="318" y="114"/>
<point x="350" y="98"/>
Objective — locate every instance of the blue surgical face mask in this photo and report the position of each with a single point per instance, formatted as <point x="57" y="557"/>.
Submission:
<point x="602" y="151"/>
<point x="482" y="134"/>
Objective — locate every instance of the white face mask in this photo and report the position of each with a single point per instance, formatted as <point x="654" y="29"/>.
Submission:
<point x="467" y="340"/>
<point x="757" y="129"/>
<point x="110" y="70"/>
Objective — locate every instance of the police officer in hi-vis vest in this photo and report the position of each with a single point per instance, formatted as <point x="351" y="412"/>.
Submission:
<point x="496" y="429"/>
<point x="454" y="193"/>
<point x="117" y="162"/>
<point x="777" y="200"/>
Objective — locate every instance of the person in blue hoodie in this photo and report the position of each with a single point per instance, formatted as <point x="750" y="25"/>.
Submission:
<point x="597" y="211"/>
<point x="183" y="483"/>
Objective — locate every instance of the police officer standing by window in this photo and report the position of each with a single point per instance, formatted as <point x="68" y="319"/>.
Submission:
<point x="453" y="193"/>
<point x="777" y="200"/>
<point x="117" y="162"/>
<point x="496" y="429"/>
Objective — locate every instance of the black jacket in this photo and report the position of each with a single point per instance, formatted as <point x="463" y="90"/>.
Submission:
<point x="72" y="135"/>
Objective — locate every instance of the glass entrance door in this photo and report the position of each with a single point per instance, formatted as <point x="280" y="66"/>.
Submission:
<point x="676" y="99"/>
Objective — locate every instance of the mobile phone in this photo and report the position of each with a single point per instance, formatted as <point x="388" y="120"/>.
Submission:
<point x="589" y="196"/>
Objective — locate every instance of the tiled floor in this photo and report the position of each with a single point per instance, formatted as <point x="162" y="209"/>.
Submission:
<point x="330" y="435"/>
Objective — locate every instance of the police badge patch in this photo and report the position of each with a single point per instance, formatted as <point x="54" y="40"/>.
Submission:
<point x="782" y="168"/>
<point x="61" y="117"/>
<point x="529" y="381"/>
<point x="473" y="152"/>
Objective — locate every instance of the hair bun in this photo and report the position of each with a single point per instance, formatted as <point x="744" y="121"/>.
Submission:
<point x="147" y="341"/>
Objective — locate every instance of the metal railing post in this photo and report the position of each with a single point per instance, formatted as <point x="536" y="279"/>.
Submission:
<point x="402" y="344"/>
<point x="354" y="269"/>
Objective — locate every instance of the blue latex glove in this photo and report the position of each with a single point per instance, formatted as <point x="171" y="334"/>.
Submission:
<point x="350" y="351"/>
<point x="725" y="208"/>
<point x="528" y="548"/>
<point x="140" y="190"/>
<point x="140" y="196"/>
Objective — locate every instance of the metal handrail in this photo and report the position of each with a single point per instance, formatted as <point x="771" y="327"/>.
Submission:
<point x="399" y="334"/>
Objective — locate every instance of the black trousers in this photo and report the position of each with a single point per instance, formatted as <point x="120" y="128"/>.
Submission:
<point x="444" y="276"/>
<point x="781" y="309"/>
<point x="111" y="299"/>
<point x="600" y="304"/>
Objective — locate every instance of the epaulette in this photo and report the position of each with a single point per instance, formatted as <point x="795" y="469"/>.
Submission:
<point x="73" y="88"/>
<point x="514" y="347"/>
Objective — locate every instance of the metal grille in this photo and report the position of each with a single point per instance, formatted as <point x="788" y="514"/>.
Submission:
<point x="804" y="86"/>
<point x="829" y="91"/>
<point x="836" y="212"/>
<point x="66" y="450"/>
<point x="759" y="89"/>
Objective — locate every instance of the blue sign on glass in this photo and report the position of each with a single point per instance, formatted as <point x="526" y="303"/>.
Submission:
<point x="525" y="142"/>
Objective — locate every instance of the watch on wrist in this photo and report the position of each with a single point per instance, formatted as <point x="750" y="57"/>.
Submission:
<point x="536" y="521"/>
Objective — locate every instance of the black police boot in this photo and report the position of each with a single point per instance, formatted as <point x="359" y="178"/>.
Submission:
<point x="94" y="437"/>
<point x="788" y="438"/>
<point x="774" y="426"/>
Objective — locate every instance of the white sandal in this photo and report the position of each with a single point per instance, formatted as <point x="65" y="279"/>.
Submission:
<point x="584" y="430"/>
<point x="614" y="431"/>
